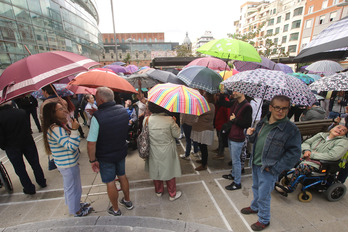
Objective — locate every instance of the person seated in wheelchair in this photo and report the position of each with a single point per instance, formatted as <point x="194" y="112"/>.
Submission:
<point x="328" y="146"/>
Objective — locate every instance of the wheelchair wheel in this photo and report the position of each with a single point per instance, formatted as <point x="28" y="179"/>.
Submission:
<point x="5" y="179"/>
<point x="305" y="196"/>
<point x="335" y="192"/>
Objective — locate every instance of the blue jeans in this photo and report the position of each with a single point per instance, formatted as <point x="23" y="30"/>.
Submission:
<point x="235" y="151"/>
<point x="187" y="131"/>
<point x="263" y="185"/>
<point x="109" y="171"/>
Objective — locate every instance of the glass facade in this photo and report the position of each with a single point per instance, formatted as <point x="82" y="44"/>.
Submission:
<point x="48" y="25"/>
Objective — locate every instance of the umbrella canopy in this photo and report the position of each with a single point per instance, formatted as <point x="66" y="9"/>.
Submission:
<point x="331" y="43"/>
<point x="145" y="70"/>
<point x="284" y="68"/>
<point x="61" y="89"/>
<point x="81" y="89"/>
<point x="131" y="68"/>
<point x="116" y="68"/>
<point x="100" y="78"/>
<point x="265" y="64"/>
<point x="35" y="71"/>
<point x="164" y="76"/>
<point x="231" y="49"/>
<point x="227" y="74"/>
<point x="303" y="77"/>
<point x="210" y="62"/>
<point x="335" y="82"/>
<point x="263" y="83"/>
<point x="172" y="70"/>
<point x="314" y="76"/>
<point x="118" y="63"/>
<point x="327" y="67"/>
<point x="146" y="81"/>
<point x="201" y="78"/>
<point x="179" y="99"/>
<point x="65" y="80"/>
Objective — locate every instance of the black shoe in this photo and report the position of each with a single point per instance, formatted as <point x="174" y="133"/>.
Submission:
<point x="230" y="163"/>
<point x="233" y="186"/>
<point x="43" y="185"/>
<point x="82" y="136"/>
<point x="31" y="192"/>
<point x="228" y="177"/>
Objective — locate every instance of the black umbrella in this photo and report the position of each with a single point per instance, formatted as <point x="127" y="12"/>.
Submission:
<point x="331" y="43"/>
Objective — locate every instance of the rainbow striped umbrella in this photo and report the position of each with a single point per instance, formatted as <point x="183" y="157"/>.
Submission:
<point x="179" y="99"/>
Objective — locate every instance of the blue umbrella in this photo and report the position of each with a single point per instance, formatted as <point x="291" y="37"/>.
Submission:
<point x="200" y="77"/>
<point x="60" y="88"/>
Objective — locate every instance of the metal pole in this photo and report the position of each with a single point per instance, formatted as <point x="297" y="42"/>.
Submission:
<point x="113" y="23"/>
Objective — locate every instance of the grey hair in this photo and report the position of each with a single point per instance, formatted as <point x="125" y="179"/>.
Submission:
<point x="105" y="93"/>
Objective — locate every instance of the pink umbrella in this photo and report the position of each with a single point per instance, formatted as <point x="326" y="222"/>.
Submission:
<point x="132" y="68"/>
<point x="81" y="89"/>
<point x="35" y="71"/>
<point x="210" y="62"/>
<point x="65" y="80"/>
<point x="116" y="68"/>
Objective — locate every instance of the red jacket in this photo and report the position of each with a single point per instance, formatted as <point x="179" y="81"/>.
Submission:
<point x="222" y="115"/>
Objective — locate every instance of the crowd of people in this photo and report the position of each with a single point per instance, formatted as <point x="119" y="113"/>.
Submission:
<point x="259" y="129"/>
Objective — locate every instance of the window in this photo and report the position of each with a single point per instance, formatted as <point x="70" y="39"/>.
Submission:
<point x="334" y="2"/>
<point x="298" y="11"/>
<point x="271" y="22"/>
<point x="277" y="30"/>
<point x="321" y="19"/>
<point x="103" y="57"/>
<point x="279" y="19"/>
<point x="333" y="16"/>
<point x="287" y="16"/>
<point x="310" y="9"/>
<point x="144" y="55"/>
<point x="106" y="40"/>
<point x="120" y="56"/>
<point x="275" y="41"/>
<point x="111" y="40"/>
<point x="294" y="36"/>
<point x="136" y="55"/>
<point x="308" y="23"/>
<point x="269" y="32"/>
<point x="324" y="5"/>
<point x="112" y="56"/>
<point x="286" y="28"/>
<point x="274" y="10"/>
<point x="292" y="48"/>
<point x="296" y="24"/>
<point x="284" y="39"/>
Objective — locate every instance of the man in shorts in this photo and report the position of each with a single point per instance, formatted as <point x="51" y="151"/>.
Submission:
<point x="107" y="147"/>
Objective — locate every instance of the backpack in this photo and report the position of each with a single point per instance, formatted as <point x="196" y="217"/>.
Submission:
<point x="143" y="141"/>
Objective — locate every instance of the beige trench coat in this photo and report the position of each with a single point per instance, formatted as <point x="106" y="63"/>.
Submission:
<point x="163" y="163"/>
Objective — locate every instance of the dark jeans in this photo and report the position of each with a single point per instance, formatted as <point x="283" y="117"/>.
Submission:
<point x="221" y="147"/>
<point x="204" y="151"/>
<point x="33" y="113"/>
<point x="187" y="132"/>
<point x="15" y="155"/>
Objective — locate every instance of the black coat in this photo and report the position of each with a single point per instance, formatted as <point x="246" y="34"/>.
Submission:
<point x="14" y="128"/>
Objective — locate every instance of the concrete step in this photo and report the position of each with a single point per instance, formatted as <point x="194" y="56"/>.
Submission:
<point x="111" y="223"/>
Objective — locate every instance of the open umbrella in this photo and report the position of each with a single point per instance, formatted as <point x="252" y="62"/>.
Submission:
<point x="263" y="83"/>
<point x="99" y="78"/>
<point x="231" y="49"/>
<point x="116" y="68"/>
<point x="331" y="43"/>
<point x="210" y="62"/>
<point x="179" y="99"/>
<point x="146" y="81"/>
<point x="131" y="68"/>
<point x="201" y="78"/>
<point x="35" y="71"/>
<point x="303" y="77"/>
<point x="327" y="67"/>
<point x="81" y="89"/>
<point x="284" y="68"/>
<point x="314" y="76"/>
<point x="164" y="76"/>
<point x="118" y="63"/>
<point x="265" y="64"/>
<point x="335" y="82"/>
<point x="61" y="90"/>
<point x="227" y="74"/>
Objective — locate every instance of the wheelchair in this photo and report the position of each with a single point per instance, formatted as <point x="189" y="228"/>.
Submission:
<point x="325" y="180"/>
<point x="5" y="180"/>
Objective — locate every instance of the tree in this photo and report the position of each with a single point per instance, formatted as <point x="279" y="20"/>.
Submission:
<point x="127" y="59"/>
<point x="183" y="51"/>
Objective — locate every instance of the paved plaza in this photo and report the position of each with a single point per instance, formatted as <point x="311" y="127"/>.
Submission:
<point x="204" y="201"/>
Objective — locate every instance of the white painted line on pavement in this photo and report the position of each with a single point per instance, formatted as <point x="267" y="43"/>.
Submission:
<point x="217" y="206"/>
<point x="232" y="204"/>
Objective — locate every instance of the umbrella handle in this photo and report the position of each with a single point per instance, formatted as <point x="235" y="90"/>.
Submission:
<point x="258" y="110"/>
<point x="59" y="98"/>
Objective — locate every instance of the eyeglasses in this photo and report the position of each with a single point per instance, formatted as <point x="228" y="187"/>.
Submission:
<point x="278" y="109"/>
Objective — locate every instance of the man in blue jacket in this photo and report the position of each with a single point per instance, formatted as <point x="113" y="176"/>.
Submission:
<point x="277" y="147"/>
<point x="107" y="147"/>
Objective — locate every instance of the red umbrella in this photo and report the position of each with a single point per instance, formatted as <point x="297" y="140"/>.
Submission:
<point x="35" y="71"/>
<point x="210" y="62"/>
<point x="81" y="89"/>
<point x="99" y="78"/>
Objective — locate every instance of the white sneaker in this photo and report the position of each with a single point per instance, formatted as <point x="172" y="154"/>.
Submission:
<point x="183" y="156"/>
<point x="159" y="194"/>
<point x="196" y="154"/>
<point x="177" y="196"/>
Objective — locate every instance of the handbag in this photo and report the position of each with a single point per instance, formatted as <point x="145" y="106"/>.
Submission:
<point x="143" y="141"/>
<point x="51" y="164"/>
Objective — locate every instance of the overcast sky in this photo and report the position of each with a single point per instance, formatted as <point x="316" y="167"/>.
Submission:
<point x="174" y="18"/>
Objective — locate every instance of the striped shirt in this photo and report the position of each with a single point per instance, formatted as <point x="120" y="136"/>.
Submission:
<point x="64" y="148"/>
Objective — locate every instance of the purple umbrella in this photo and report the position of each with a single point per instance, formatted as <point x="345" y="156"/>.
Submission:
<point x="116" y="68"/>
<point x="118" y="63"/>
<point x="285" y="68"/>
<point x="132" y="68"/>
<point x="265" y="64"/>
